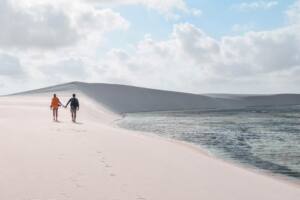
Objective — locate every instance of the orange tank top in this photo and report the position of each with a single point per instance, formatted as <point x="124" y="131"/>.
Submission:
<point x="55" y="102"/>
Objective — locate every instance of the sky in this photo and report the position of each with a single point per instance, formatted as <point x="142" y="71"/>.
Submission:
<point x="197" y="46"/>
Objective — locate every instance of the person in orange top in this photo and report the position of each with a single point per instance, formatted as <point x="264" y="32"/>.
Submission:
<point x="55" y="103"/>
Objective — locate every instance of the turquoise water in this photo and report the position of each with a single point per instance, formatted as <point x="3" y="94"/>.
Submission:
<point x="265" y="138"/>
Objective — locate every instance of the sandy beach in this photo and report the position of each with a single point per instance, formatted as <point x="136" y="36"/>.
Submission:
<point x="94" y="159"/>
<point x="179" y="100"/>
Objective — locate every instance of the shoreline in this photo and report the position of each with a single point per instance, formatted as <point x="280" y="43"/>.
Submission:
<point x="203" y="151"/>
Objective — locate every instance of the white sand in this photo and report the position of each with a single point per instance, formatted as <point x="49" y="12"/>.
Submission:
<point x="94" y="160"/>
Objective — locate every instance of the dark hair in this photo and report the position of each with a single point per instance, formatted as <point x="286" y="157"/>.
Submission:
<point x="54" y="95"/>
<point x="74" y="95"/>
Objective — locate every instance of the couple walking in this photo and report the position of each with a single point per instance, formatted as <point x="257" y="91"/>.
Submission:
<point x="55" y="103"/>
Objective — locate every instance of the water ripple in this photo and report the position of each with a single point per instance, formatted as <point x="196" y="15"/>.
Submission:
<point x="268" y="139"/>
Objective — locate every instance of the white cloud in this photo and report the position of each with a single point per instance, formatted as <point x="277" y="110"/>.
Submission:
<point x="10" y="65"/>
<point x="294" y="13"/>
<point x="12" y="74"/>
<point x="267" y="51"/>
<point x="196" y="12"/>
<point x="167" y="7"/>
<point x="194" y="42"/>
<point x="256" y="5"/>
<point x="26" y="24"/>
<point x="40" y="36"/>
<point x="45" y="27"/>
<point x="66" y="69"/>
<point x="190" y="60"/>
<point x="163" y="6"/>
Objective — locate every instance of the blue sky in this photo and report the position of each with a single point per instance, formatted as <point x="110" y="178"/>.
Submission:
<point x="217" y="19"/>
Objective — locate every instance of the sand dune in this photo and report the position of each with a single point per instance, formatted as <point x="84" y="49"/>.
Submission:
<point x="125" y="99"/>
<point x="93" y="159"/>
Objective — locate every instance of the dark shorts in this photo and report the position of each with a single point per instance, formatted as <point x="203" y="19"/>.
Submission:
<point x="73" y="109"/>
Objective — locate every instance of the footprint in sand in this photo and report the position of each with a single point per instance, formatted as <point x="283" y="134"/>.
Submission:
<point x="140" y="198"/>
<point x="112" y="174"/>
<point x="106" y="165"/>
<point x="76" y="182"/>
<point x="64" y="195"/>
<point x="79" y="130"/>
<point x="102" y="159"/>
<point x="61" y="156"/>
<point x="56" y="129"/>
<point x="78" y="185"/>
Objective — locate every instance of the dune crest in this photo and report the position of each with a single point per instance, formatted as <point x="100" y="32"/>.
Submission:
<point x="127" y="99"/>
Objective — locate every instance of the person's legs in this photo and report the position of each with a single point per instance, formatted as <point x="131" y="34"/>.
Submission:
<point x="53" y="110"/>
<point x="74" y="114"/>
<point x="56" y="114"/>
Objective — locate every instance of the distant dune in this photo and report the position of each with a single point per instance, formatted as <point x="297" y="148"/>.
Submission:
<point x="126" y="99"/>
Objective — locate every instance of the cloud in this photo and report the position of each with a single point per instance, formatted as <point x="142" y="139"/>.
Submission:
<point x="10" y="66"/>
<point x="266" y="50"/>
<point x="48" y="42"/>
<point x="168" y="8"/>
<point x="66" y="69"/>
<point x="293" y="13"/>
<point x="12" y="74"/>
<point x="163" y="6"/>
<point x="35" y="27"/>
<point x="256" y="5"/>
<point x="194" y="42"/>
<point x="47" y="26"/>
<point x="100" y="20"/>
<point x="190" y="60"/>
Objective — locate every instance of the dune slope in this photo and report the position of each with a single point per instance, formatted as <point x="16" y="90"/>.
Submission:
<point x="93" y="159"/>
<point x="126" y="99"/>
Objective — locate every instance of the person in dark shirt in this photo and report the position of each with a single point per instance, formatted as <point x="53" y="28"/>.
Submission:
<point x="74" y="104"/>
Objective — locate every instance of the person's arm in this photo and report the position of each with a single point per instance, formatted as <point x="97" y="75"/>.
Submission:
<point x="60" y="104"/>
<point x="67" y="103"/>
<point x="51" y="104"/>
